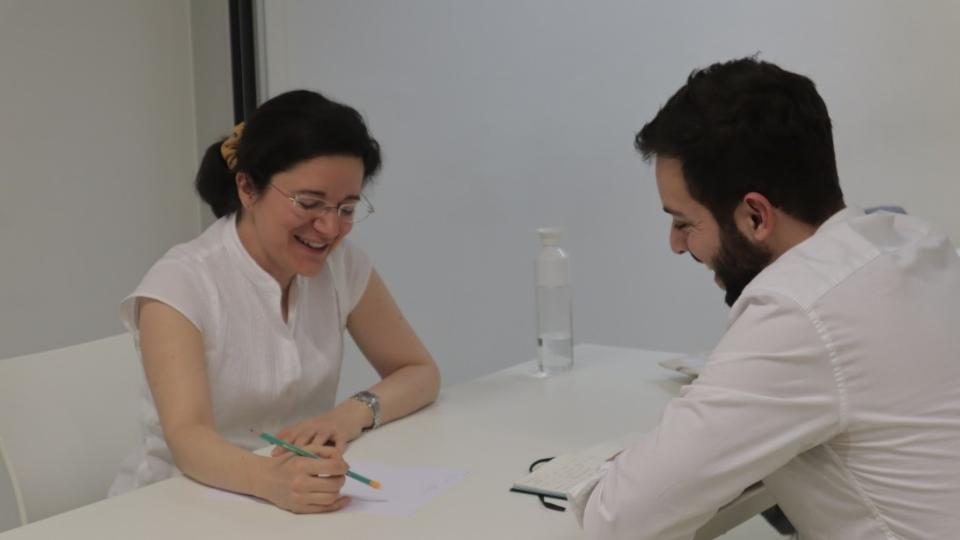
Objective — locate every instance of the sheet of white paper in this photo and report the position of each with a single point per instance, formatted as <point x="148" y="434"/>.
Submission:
<point x="405" y="488"/>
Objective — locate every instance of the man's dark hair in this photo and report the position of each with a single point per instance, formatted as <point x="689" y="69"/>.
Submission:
<point x="747" y="125"/>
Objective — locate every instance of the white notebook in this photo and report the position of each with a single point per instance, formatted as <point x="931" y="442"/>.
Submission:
<point x="556" y="478"/>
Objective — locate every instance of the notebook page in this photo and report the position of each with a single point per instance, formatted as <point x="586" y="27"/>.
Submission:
<point x="562" y="473"/>
<point x="558" y="476"/>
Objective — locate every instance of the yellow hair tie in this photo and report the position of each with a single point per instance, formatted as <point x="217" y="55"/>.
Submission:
<point x="228" y="150"/>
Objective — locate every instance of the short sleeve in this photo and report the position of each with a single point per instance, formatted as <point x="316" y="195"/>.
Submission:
<point x="176" y="284"/>
<point x="351" y="272"/>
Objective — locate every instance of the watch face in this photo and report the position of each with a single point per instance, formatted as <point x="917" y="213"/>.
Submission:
<point x="366" y="397"/>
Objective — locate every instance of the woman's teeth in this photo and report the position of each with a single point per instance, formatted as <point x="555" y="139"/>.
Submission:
<point x="314" y="245"/>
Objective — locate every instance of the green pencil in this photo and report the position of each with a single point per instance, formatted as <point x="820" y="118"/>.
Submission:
<point x="306" y="453"/>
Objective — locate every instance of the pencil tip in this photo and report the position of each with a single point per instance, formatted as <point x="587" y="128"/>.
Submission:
<point x="375" y="484"/>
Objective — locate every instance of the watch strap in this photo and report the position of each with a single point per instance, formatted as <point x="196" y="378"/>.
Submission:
<point x="373" y="402"/>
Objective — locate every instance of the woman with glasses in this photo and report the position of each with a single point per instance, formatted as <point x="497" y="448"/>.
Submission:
<point x="241" y="330"/>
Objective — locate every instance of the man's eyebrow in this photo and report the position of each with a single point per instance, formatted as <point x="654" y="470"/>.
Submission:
<point x="674" y="213"/>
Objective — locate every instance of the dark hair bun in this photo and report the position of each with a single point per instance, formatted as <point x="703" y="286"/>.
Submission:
<point x="216" y="183"/>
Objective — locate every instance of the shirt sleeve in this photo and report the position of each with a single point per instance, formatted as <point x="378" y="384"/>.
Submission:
<point x="176" y="284"/>
<point x="351" y="270"/>
<point x="767" y="393"/>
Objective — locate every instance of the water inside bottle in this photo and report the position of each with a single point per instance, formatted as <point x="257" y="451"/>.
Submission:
<point x="555" y="352"/>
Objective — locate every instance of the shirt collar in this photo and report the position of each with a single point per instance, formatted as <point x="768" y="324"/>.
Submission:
<point x="252" y="270"/>
<point x="844" y="215"/>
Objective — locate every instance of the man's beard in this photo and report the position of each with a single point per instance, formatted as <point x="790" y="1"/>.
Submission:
<point x="738" y="261"/>
<point x="736" y="264"/>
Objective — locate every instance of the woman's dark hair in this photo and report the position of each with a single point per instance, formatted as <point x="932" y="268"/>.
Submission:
<point x="282" y="132"/>
<point x="747" y="125"/>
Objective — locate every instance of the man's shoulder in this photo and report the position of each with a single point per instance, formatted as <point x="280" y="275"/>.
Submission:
<point x="815" y="266"/>
<point x="839" y="251"/>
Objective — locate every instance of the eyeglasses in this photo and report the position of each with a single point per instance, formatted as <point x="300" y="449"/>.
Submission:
<point x="349" y="212"/>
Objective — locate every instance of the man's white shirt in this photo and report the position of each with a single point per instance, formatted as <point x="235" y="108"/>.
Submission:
<point x="837" y="384"/>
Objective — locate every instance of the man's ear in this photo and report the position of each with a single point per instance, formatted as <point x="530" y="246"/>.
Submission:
<point x="755" y="217"/>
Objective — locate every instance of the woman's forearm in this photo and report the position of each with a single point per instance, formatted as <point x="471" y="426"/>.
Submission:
<point x="404" y="391"/>
<point x="205" y="456"/>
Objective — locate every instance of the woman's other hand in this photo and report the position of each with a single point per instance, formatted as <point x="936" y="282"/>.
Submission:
<point x="320" y="430"/>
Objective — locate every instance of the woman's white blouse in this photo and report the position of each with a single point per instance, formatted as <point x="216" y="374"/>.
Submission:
<point x="264" y="373"/>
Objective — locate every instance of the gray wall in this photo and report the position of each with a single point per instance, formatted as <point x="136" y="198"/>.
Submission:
<point x="498" y="117"/>
<point x="213" y="91"/>
<point x="98" y="151"/>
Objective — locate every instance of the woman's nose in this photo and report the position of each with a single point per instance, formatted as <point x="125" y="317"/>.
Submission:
<point x="328" y="223"/>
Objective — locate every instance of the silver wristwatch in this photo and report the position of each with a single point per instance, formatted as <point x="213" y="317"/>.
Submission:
<point x="370" y="400"/>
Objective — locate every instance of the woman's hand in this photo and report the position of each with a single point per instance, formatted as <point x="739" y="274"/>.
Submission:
<point x="306" y="485"/>
<point x="320" y="430"/>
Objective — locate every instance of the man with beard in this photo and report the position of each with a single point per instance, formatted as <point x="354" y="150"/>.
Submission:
<point x="837" y="382"/>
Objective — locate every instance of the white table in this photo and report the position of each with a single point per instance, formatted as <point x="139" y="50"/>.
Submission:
<point x="493" y="427"/>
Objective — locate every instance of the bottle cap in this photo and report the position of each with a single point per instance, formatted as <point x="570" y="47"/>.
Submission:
<point x="550" y="236"/>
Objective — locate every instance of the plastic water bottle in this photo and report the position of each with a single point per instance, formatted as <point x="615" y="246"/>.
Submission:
<point x="554" y="305"/>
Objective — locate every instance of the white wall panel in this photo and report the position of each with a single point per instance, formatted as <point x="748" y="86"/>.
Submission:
<point x="98" y="154"/>
<point x="497" y="117"/>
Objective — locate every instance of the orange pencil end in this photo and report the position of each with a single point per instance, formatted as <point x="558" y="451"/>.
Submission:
<point x="375" y="484"/>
